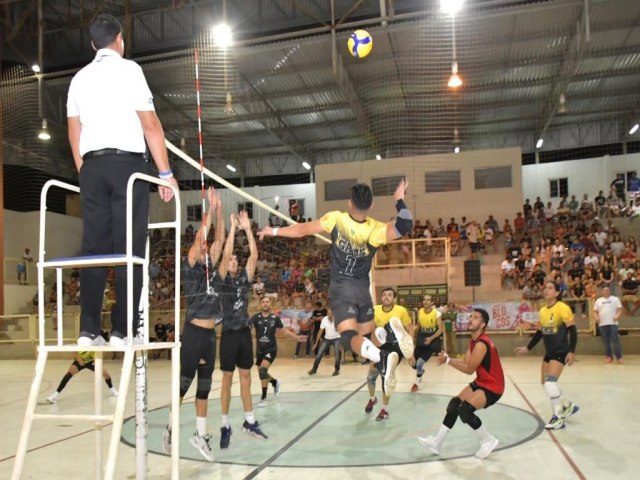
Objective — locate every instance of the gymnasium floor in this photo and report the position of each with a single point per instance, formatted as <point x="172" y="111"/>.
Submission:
<point x="318" y="428"/>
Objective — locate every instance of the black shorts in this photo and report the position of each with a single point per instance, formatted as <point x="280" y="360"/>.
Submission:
<point x="350" y="301"/>
<point x="557" y="356"/>
<point x="425" y="352"/>
<point x="89" y="365"/>
<point x="236" y="350"/>
<point x="198" y="343"/>
<point x="268" y="355"/>
<point x="393" y="347"/>
<point x="492" y="397"/>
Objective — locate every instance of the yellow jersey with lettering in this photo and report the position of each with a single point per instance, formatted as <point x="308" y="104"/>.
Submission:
<point x="353" y="245"/>
<point x="87" y="357"/>
<point x="427" y="324"/>
<point x="382" y="318"/>
<point x="553" y="326"/>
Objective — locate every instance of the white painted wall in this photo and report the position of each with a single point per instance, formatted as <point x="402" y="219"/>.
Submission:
<point x="587" y="175"/>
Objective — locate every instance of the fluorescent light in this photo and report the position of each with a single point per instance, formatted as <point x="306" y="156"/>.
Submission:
<point x="44" y="133"/>
<point x="634" y="129"/>
<point x="454" y="81"/>
<point x="231" y="167"/>
<point x="378" y="157"/>
<point x="306" y="165"/>
<point x="456" y="150"/>
<point x="451" y="6"/>
<point x="539" y="143"/>
<point x="276" y="199"/>
<point x="35" y="67"/>
<point x="222" y="35"/>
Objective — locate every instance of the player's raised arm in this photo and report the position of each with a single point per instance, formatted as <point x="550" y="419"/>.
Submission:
<point x="198" y="247"/>
<point x="228" y="248"/>
<point x="403" y="223"/>
<point x="216" y="247"/>
<point x="292" y="231"/>
<point x="245" y="224"/>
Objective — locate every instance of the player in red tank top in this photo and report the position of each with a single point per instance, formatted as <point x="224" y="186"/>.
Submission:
<point x="481" y="358"/>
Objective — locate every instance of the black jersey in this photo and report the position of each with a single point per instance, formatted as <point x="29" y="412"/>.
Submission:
<point x="200" y="303"/>
<point x="235" y="302"/>
<point x="266" y="328"/>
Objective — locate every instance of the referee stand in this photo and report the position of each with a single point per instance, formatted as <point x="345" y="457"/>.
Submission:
<point x="132" y="350"/>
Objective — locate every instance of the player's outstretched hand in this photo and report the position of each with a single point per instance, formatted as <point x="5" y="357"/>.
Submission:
<point x="401" y="190"/>
<point x="166" y="193"/>
<point x="521" y="350"/>
<point x="441" y="358"/>
<point x="243" y="219"/>
<point x="265" y="232"/>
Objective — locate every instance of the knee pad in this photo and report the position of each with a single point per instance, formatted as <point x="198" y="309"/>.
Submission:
<point x="381" y="335"/>
<point x="467" y="415"/>
<point x="203" y="388"/>
<point x="185" y="383"/>
<point x="454" y="405"/>
<point x="372" y="377"/>
<point x="552" y="389"/>
<point x="345" y="339"/>
<point x="263" y="373"/>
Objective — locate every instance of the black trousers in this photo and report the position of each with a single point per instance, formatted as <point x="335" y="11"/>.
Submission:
<point x="103" y="195"/>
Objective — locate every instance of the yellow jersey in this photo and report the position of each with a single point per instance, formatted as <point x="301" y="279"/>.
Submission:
<point x="427" y="323"/>
<point x="553" y="326"/>
<point x="87" y="357"/>
<point x="353" y="245"/>
<point x="382" y="317"/>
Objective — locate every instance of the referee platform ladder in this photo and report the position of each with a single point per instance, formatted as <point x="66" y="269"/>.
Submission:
<point x="132" y="350"/>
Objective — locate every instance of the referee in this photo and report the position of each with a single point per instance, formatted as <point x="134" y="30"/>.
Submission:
<point x="110" y="115"/>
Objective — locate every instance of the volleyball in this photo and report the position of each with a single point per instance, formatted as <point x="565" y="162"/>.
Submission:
<point x="360" y="43"/>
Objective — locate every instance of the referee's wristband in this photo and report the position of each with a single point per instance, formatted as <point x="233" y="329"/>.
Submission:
<point x="275" y="231"/>
<point x="167" y="174"/>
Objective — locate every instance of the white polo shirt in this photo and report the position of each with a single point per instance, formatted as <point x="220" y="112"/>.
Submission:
<point x="607" y="308"/>
<point x="106" y="94"/>
<point x="330" y="332"/>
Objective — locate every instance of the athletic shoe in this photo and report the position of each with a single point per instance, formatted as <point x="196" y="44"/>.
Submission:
<point x="387" y="367"/>
<point x="113" y="392"/>
<point x="202" y="445"/>
<point x="276" y="388"/>
<point x="569" y="410"/>
<point x="166" y="440"/>
<point x="430" y="443"/>
<point x="556" y="423"/>
<point x="253" y="429"/>
<point x="335" y="373"/>
<point x="620" y="361"/>
<point x="115" y="341"/>
<point x="383" y="415"/>
<point x="405" y="342"/>
<point x="414" y="388"/>
<point x="89" y="340"/>
<point x="608" y="360"/>
<point x="53" y="399"/>
<point x="370" y="405"/>
<point x="312" y="371"/>
<point x="487" y="447"/>
<point x="225" y="437"/>
<point x="262" y="403"/>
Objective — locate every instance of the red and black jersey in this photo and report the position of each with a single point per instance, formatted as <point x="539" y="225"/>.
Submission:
<point x="489" y="373"/>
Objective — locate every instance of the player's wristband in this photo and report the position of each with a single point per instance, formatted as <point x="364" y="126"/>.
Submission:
<point x="447" y="360"/>
<point x="275" y="231"/>
<point x="167" y="174"/>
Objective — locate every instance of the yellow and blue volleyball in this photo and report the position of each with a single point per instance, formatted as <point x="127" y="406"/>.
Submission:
<point x="360" y="43"/>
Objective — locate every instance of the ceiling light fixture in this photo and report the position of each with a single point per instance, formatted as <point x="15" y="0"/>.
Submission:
<point x="378" y="157"/>
<point x="456" y="150"/>
<point x="306" y="165"/>
<point x="231" y="167"/>
<point x="562" y="107"/>
<point x="451" y="6"/>
<point x="539" y="143"/>
<point x="454" y="80"/>
<point x="44" y="133"/>
<point x="36" y="68"/>
<point x="222" y="36"/>
<point x="634" y="129"/>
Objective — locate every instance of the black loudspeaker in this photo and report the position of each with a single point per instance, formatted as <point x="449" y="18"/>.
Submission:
<point x="472" y="277"/>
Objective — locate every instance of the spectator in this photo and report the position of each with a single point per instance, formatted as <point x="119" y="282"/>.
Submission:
<point x="22" y="266"/>
<point x="507" y="270"/>
<point x="600" y="205"/>
<point x="607" y="310"/>
<point x="306" y="329"/>
<point x="630" y="294"/>
<point x="527" y="209"/>
<point x="258" y="287"/>
<point x="578" y="297"/>
<point x="274" y="220"/>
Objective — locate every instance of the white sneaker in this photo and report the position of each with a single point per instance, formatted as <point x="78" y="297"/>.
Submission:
<point x="202" y="445"/>
<point x="389" y="363"/>
<point x="430" y="443"/>
<point x="276" y="389"/>
<point x="84" y="340"/>
<point x="166" y="440"/>
<point x="123" y="342"/>
<point x="405" y="342"/>
<point x="113" y="392"/>
<point x="487" y="447"/>
<point x="262" y="403"/>
<point x="53" y="398"/>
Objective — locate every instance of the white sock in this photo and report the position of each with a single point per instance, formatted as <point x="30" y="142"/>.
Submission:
<point x="373" y="399"/>
<point x="248" y="416"/>
<point x="385" y="408"/>
<point x="225" y="421"/>
<point x="201" y="426"/>
<point x="556" y="404"/>
<point x="369" y="351"/>
<point x="483" y="434"/>
<point x="442" y="434"/>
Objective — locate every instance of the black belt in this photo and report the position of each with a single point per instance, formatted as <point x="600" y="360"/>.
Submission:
<point x="109" y="151"/>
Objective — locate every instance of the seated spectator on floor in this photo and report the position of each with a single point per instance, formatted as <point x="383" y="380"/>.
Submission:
<point x="507" y="270"/>
<point x="630" y="299"/>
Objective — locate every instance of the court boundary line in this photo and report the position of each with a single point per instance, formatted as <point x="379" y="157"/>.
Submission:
<point x="555" y="440"/>
<point x="295" y="439"/>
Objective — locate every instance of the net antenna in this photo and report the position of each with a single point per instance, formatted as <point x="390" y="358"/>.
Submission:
<point x="202" y="187"/>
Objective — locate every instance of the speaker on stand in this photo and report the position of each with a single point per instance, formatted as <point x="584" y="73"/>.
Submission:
<point x="472" y="276"/>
